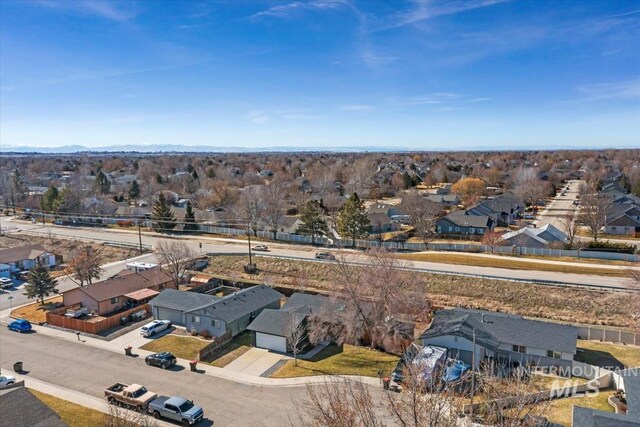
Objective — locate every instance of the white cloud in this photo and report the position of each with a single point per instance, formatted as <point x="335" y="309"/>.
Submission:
<point x="356" y="108"/>
<point x="115" y="11"/>
<point x="629" y="89"/>
<point x="291" y="9"/>
<point x="258" y="117"/>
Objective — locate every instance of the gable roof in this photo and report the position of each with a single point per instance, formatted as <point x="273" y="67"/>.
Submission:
<point x="241" y="303"/>
<point x="20" y="253"/>
<point x="315" y="303"/>
<point x="21" y="408"/>
<point x="632" y="391"/>
<point x="278" y="322"/>
<point x="462" y="219"/>
<point x="589" y="417"/>
<point x="181" y="300"/>
<point x="494" y="328"/>
<point x="124" y="282"/>
<point x="546" y="234"/>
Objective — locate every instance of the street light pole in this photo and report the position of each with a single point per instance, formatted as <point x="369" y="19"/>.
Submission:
<point x="140" y="237"/>
<point x="42" y="207"/>
<point x="249" y="235"/>
<point x="10" y="298"/>
<point x="473" y="374"/>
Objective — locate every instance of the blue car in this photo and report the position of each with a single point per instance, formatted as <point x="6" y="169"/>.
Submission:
<point x="20" y="325"/>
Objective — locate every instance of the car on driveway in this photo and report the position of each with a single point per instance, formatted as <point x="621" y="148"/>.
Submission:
<point x="6" y="380"/>
<point x="150" y="329"/>
<point x="162" y="360"/>
<point x="262" y="248"/>
<point x="20" y="325"/>
<point x="325" y="255"/>
<point x="5" y="283"/>
<point x="22" y="275"/>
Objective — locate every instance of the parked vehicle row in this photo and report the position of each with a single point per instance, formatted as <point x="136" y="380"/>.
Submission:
<point x="137" y="397"/>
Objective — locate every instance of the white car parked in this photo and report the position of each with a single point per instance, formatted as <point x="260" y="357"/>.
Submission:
<point x="5" y="282"/>
<point x="150" y="329"/>
<point x="6" y="380"/>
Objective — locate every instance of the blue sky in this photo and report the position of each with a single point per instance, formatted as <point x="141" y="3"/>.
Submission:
<point x="324" y="73"/>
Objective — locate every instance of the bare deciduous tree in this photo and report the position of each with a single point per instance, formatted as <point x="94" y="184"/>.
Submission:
<point x="275" y="199"/>
<point x="469" y="190"/>
<point x="296" y="334"/>
<point x="121" y="417"/>
<point x="491" y="239"/>
<point x="569" y="223"/>
<point x="85" y="265"/>
<point x="374" y="293"/>
<point x="252" y="207"/>
<point x="593" y="212"/>
<point x="175" y="257"/>
<point x="423" y="215"/>
<point x="528" y="187"/>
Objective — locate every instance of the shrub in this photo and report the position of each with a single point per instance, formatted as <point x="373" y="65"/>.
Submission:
<point x="125" y="223"/>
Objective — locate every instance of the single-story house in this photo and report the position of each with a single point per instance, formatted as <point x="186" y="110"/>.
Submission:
<point x="21" y="408"/>
<point x="381" y="223"/>
<point x="535" y="237"/>
<point x="214" y="315"/>
<point x="623" y="219"/>
<point x="21" y="258"/>
<point x="289" y="224"/>
<point x="444" y="199"/>
<point x="460" y="222"/>
<point x="125" y="289"/>
<point x="502" y="337"/>
<point x="504" y="209"/>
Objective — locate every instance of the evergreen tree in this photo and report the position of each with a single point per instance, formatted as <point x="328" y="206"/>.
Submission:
<point x="352" y="220"/>
<point x="50" y="199"/>
<point x="134" y="190"/>
<point x="312" y="221"/>
<point x="40" y="284"/>
<point x="163" y="218"/>
<point x="102" y="183"/>
<point x="190" y="219"/>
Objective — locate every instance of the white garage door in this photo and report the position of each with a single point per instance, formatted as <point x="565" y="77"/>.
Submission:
<point x="271" y="342"/>
<point x="174" y="316"/>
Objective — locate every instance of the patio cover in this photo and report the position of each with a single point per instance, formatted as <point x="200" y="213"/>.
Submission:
<point x="142" y="294"/>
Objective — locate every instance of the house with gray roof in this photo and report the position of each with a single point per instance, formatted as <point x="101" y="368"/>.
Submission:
<point x="21" y="408"/>
<point x="214" y="315"/>
<point x="622" y="219"/>
<point x="502" y="337"/>
<point x="461" y="222"/>
<point x="546" y="236"/>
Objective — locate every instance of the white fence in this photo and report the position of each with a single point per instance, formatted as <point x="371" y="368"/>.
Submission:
<point x="454" y="247"/>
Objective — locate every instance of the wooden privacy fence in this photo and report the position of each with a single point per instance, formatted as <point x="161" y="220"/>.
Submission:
<point x="216" y="346"/>
<point x="57" y="318"/>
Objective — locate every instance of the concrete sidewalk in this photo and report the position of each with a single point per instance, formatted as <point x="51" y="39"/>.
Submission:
<point x="117" y="345"/>
<point x="72" y="396"/>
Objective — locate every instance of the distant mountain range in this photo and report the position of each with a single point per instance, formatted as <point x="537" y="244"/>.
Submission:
<point x="175" y="148"/>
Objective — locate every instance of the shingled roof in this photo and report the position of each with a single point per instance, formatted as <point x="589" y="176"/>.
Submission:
<point x="124" y="282"/>
<point x="495" y="328"/>
<point x="19" y="253"/>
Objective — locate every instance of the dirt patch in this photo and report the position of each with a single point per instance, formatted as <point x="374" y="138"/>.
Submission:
<point x="66" y="247"/>
<point x="550" y="302"/>
<point x="37" y="313"/>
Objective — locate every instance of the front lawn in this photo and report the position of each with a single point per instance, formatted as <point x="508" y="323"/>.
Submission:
<point x="606" y="354"/>
<point x="181" y="347"/>
<point x="71" y="413"/>
<point x="352" y="360"/>
<point x="239" y="346"/>
<point x="37" y="313"/>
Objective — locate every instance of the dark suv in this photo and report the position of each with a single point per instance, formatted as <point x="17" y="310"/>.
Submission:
<point x="163" y="360"/>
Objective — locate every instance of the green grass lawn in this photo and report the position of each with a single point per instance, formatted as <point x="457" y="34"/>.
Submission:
<point x="560" y="411"/>
<point x="240" y="345"/>
<point x="601" y="353"/>
<point x="352" y="360"/>
<point x="181" y="347"/>
<point x="72" y="414"/>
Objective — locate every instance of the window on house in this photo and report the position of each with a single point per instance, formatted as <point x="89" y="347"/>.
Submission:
<point x="450" y="228"/>
<point x="439" y="229"/>
<point x="195" y="319"/>
<point x="215" y="323"/>
<point x="519" y="349"/>
<point x="457" y="228"/>
<point x="115" y="300"/>
<point x="472" y="230"/>
<point x="554" y="354"/>
<point x="480" y="231"/>
<point x="161" y="286"/>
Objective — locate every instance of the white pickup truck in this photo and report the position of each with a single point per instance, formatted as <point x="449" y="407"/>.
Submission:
<point x="177" y="409"/>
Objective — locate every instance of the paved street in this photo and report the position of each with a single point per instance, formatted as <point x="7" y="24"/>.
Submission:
<point x="229" y="246"/>
<point x="90" y="370"/>
<point x="559" y="207"/>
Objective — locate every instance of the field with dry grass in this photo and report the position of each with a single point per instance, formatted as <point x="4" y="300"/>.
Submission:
<point x="556" y="303"/>
<point x="35" y="312"/>
<point x="66" y="247"/>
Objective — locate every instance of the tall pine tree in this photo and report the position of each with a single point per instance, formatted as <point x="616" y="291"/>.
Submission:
<point x="163" y="218"/>
<point x="102" y="183"/>
<point x="352" y="220"/>
<point x="134" y="190"/>
<point x="312" y="221"/>
<point x="189" y="219"/>
<point x="40" y="283"/>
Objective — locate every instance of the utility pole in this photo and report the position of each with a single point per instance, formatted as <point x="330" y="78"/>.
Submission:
<point x="249" y="235"/>
<point x="42" y="207"/>
<point x="473" y="373"/>
<point x="140" y="237"/>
